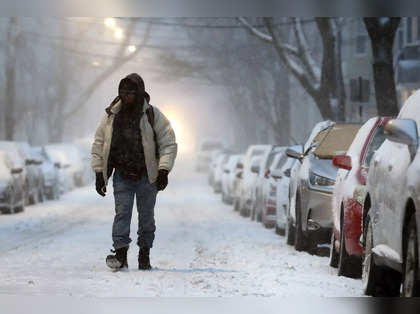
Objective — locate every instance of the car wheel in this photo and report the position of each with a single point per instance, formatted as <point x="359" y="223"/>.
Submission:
<point x="348" y="266"/>
<point x="259" y="216"/>
<point x="301" y="242"/>
<point x="377" y="281"/>
<point x="280" y="231"/>
<point x="41" y="197"/>
<point x="411" y="286"/>
<point x="19" y="209"/>
<point x="253" y="212"/>
<point x="236" y="205"/>
<point x="290" y="233"/>
<point x="333" y="253"/>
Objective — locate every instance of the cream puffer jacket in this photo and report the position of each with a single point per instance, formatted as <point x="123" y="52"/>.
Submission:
<point x="165" y="138"/>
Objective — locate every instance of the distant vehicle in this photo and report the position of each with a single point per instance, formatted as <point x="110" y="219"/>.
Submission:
<point x="230" y="170"/>
<point x="218" y="172"/>
<point x="314" y="184"/>
<point x="207" y="146"/>
<point x="391" y="211"/>
<point x="266" y="162"/>
<point x="12" y="195"/>
<point x="212" y="166"/>
<point x="51" y="174"/>
<point x="246" y="201"/>
<point x="71" y="162"/>
<point x="348" y="194"/>
<point x="268" y="188"/>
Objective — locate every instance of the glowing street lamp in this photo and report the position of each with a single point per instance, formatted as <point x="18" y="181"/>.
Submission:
<point x="132" y="48"/>
<point x="118" y="33"/>
<point x="110" y="22"/>
<point x="95" y="63"/>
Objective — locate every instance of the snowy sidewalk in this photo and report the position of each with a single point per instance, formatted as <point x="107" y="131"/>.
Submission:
<point x="202" y="248"/>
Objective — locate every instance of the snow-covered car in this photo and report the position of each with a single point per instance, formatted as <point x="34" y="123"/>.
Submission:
<point x="269" y="186"/>
<point x="237" y="182"/>
<point x="35" y="175"/>
<point x="12" y="196"/>
<point x="294" y="176"/>
<point x="247" y="186"/>
<point x="282" y="196"/>
<point x="28" y="175"/>
<point x="266" y="162"/>
<point x="391" y="215"/>
<point x="71" y="163"/>
<point x="50" y="172"/>
<point x="230" y="171"/>
<point x="212" y="166"/>
<point x="315" y="182"/>
<point x="348" y="194"/>
<point x="218" y="172"/>
<point x="206" y="147"/>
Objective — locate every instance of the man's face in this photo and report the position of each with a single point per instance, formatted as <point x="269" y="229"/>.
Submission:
<point x="128" y="95"/>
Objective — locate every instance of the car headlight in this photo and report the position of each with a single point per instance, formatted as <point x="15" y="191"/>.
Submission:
<point x="318" y="180"/>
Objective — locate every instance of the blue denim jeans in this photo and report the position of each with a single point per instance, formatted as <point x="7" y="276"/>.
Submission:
<point x="124" y="192"/>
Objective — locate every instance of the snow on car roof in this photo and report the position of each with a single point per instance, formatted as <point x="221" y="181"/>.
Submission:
<point x="14" y="153"/>
<point x="337" y="140"/>
<point x="5" y="165"/>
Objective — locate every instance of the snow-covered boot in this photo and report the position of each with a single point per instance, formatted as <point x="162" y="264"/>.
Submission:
<point x="144" y="259"/>
<point x="118" y="260"/>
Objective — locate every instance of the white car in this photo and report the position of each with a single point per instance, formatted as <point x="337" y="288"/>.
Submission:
<point x="12" y="196"/>
<point x="203" y="155"/>
<point x="391" y="210"/>
<point x="51" y="174"/>
<point x="218" y="172"/>
<point x="230" y="170"/>
<point x="247" y="186"/>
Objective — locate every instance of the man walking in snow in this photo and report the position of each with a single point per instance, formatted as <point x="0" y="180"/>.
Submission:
<point x="137" y="141"/>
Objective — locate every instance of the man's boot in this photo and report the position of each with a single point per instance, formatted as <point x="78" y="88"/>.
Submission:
<point x="144" y="259"/>
<point x="118" y="260"/>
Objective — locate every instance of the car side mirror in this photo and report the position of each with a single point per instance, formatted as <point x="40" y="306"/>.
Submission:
<point x="16" y="170"/>
<point x="57" y="165"/>
<point x="287" y="172"/>
<point x="294" y="154"/>
<point x="239" y="175"/>
<point x="342" y="162"/>
<point x="403" y="131"/>
<point x="28" y="162"/>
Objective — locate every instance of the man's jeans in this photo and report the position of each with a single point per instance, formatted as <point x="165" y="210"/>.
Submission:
<point x="124" y="191"/>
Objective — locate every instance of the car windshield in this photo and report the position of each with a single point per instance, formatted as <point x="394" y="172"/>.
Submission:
<point x="337" y="140"/>
<point x="375" y="142"/>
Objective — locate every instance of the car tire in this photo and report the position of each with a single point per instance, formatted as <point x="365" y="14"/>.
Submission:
<point x="411" y="285"/>
<point x="19" y="209"/>
<point x="333" y="253"/>
<point x="348" y="266"/>
<point x="290" y="233"/>
<point x="253" y="212"/>
<point x="377" y="281"/>
<point x="236" y="205"/>
<point x="301" y="241"/>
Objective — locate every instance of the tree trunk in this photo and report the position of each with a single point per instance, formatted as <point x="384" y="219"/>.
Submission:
<point x="382" y="39"/>
<point x="11" y="63"/>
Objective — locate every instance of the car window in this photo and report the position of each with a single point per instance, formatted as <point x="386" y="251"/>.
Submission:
<point x="375" y="142"/>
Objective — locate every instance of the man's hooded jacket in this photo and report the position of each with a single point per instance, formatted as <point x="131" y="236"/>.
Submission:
<point x="165" y="136"/>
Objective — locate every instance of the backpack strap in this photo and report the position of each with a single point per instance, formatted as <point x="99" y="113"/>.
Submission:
<point x="151" y="117"/>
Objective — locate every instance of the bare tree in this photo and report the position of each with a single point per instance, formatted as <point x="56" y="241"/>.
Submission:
<point x="382" y="34"/>
<point x="323" y="82"/>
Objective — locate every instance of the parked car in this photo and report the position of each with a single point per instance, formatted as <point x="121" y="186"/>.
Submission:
<point x="12" y="196"/>
<point x="51" y="174"/>
<point x="348" y="194"/>
<point x="28" y="175"/>
<point x="315" y="182"/>
<point x="71" y="163"/>
<point x="249" y="176"/>
<point x="218" y="172"/>
<point x="230" y="170"/>
<point x="212" y="166"/>
<point x="294" y="176"/>
<point x="206" y="147"/>
<point x="266" y="161"/>
<point x="391" y="215"/>
<point x="269" y="187"/>
<point x="237" y="181"/>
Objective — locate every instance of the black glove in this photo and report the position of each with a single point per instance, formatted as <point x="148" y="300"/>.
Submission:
<point x="100" y="184"/>
<point x="162" y="179"/>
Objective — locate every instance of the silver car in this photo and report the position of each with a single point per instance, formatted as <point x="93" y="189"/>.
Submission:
<point x="314" y="185"/>
<point x="391" y="210"/>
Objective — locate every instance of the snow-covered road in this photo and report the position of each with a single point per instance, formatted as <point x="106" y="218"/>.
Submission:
<point x="202" y="248"/>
